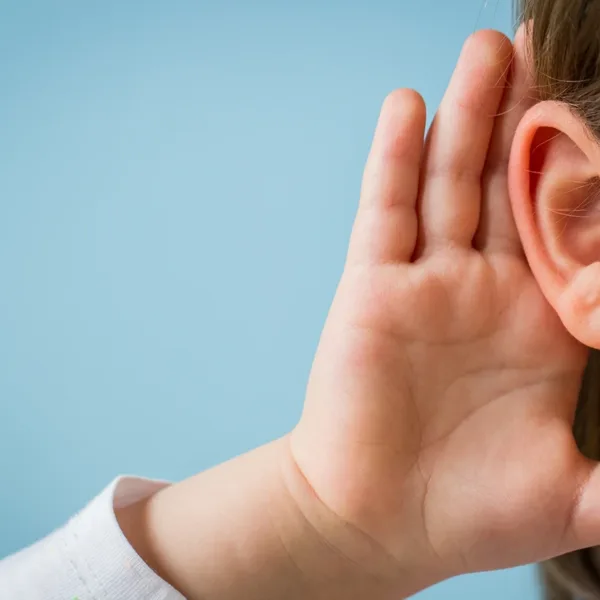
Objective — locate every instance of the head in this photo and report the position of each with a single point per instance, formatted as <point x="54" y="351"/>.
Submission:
<point x="554" y="177"/>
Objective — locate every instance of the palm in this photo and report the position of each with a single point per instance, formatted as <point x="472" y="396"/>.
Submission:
<point x="444" y="387"/>
<point x="474" y="385"/>
<point x="496" y="446"/>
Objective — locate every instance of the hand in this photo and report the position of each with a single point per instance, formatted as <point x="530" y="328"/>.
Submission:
<point x="436" y="436"/>
<point x="438" y="417"/>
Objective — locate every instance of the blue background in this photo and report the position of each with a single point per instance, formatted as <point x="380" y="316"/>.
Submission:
<point x="177" y="185"/>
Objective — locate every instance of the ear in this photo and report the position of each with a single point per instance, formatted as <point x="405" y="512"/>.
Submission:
<point x="554" y="181"/>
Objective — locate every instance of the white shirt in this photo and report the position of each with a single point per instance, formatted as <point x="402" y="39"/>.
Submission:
<point x="89" y="558"/>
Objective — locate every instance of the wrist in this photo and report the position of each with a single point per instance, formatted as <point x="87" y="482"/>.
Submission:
<point x="240" y="531"/>
<point x="342" y="559"/>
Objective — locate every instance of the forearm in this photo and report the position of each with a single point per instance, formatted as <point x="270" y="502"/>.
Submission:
<point x="216" y="535"/>
<point x="239" y="531"/>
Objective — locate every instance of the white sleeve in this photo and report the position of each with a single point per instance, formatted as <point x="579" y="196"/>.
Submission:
<point x="89" y="558"/>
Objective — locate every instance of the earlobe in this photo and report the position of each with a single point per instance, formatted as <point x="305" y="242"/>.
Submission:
<point x="555" y="193"/>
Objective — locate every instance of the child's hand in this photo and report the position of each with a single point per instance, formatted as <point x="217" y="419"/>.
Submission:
<point x="436" y="437"/>
<point x="437" y="425"/>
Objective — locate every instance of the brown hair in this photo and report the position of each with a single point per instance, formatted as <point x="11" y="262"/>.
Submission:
<point x="564" y="52"/>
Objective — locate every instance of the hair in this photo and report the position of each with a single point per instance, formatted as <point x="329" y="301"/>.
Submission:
<point x="564" y="54"/>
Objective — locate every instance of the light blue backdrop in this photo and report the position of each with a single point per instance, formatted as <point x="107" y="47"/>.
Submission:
<point x="177" y="185"/>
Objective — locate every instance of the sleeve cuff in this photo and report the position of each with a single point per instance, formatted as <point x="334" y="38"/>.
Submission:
<point x="101" y="555"/>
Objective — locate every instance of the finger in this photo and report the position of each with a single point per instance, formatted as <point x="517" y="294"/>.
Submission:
<point x="386" y="225"/>
<point x="497" y="231"/>
<point x="458" y="143"/>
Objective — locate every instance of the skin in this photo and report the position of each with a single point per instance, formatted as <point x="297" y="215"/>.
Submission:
<point x="436" y="435"/>
<point x="557" y="213"/>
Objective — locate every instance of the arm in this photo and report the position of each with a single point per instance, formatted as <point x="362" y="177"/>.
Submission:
<point x="252" y="528"/>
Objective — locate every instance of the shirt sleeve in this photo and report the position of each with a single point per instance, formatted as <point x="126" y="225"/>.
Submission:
<point x="89" y="558"/>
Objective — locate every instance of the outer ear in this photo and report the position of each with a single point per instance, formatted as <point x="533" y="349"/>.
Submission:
<point x="554" y="180"/>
